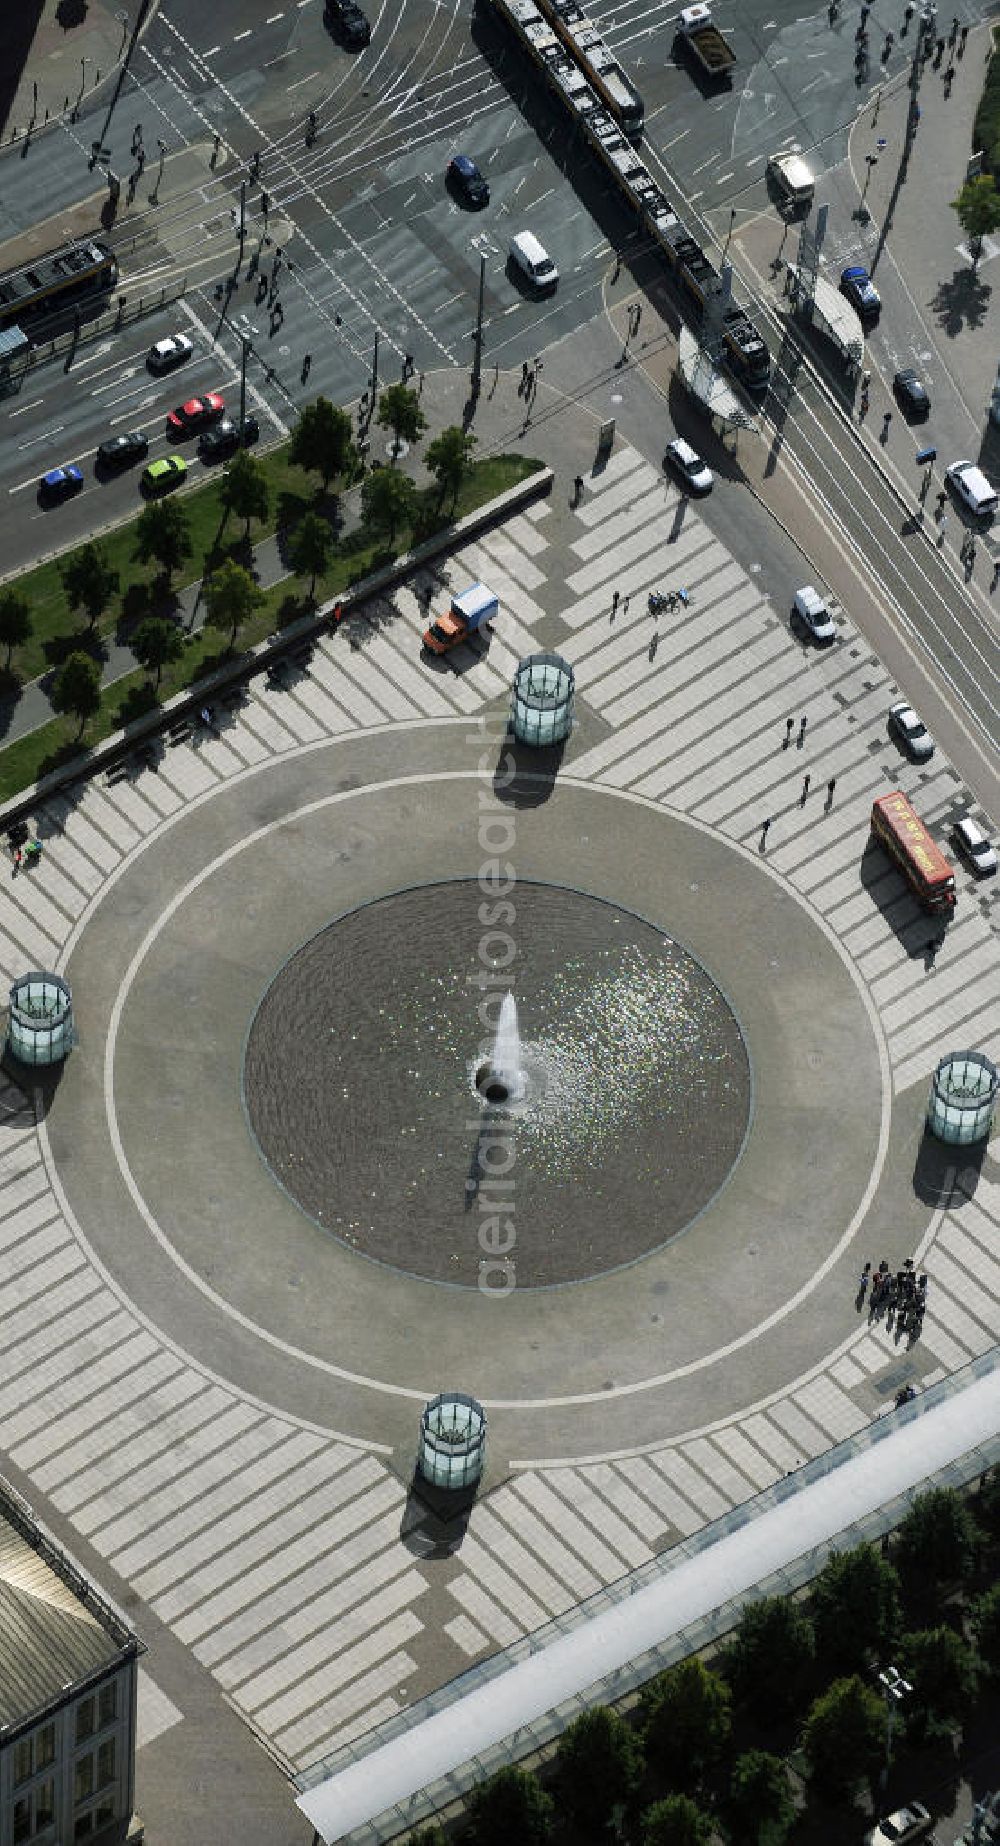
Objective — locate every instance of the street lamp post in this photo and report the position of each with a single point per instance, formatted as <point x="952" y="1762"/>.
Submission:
<point x="122" y="19"/>
<point x="895" y="1689"/>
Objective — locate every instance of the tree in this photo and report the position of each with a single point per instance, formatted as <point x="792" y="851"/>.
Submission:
<point x="449" y="458"/>
<point x="310" y="548"/>
<point x="760" y="1807"/>
<point x="162" y="534"/>
<point x="76" y="689"/>
<point x="676" y="1821"/>
<point x="89" y="581"/>
<point x="843" y="1737"/>
<point x="771" y="1654"/>
<point x="15" y="621"/>
<point x="985" y="1622"/>
<point x="937" y="1542"/>
<point x="388" y="500"/>
<point x="399" y="410"/>
<point x="599" y="1764"/>
<point x="854" y="1608"/>
<point x="511" y="1805"/>
<point x="978" y="208"/>
<point x="428" y="1836"/>
<point x="322" y="441"/>
<point x="942" y="1670"/>
<point x="157" y="644"/>
<point x="231" y="596"/>
<point x="686" y="1714"/>
<point x="244" y="489"/>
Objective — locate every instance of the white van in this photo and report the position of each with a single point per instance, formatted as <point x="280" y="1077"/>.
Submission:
<point x="793" y="178"/>
<point x="972" y="486"/>
<point x="533" y="261"/>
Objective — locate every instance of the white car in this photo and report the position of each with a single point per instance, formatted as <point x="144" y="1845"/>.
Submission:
<point x="972" y="487"/>
<point x="169" y="352"/>
<point x="810" y="609"/>
<point x="688" y="465"/>
<point x="974" y="846"/>
<point x="910" y="731"/>
<point x="898" y="1829"/>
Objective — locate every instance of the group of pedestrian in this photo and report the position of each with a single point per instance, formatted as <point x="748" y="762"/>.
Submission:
<point x="901" y="1296"/>
<point x="529" y="381"/>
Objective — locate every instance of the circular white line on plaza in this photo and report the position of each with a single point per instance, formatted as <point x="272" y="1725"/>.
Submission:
<point x="387" y="1388"/>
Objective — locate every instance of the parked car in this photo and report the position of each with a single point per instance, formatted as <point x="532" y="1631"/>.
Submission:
<point x="222" y="438"/>
<point x="349" y="22"/>
<point x="60" y="483"/>
<point x="898" y="1829"/>
<point x="688" y="466"/>
<point x="120" y="451"/>
<point x="975" y="847"/>
<point x="910" y="731"/>
<point x="972" y="487"/>
<point x="195" y="413"/>
<point x="857" y="285"/>
<point x="465" y="178"/>
<point x="161" y="475"/>
<point x="911" y="392"/>
<point x="811" y="611"/>
<point x="169" y="352"/>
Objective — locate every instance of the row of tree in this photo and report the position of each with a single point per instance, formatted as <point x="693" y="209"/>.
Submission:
<point x="322" y="443"/>
<point x="666" y="1777"/>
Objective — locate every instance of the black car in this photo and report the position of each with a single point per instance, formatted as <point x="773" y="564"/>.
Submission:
<point x="911" y="392"/>
<point x="467" y="181"/>
<point x="349" y="21"/>
<point x="214" y="443"/>
<point x="120" y="451"/>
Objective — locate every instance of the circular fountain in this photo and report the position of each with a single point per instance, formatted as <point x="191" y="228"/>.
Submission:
<point x="601" y="1113"/>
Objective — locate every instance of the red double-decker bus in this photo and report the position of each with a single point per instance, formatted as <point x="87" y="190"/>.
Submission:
<point x="904" y="837"/>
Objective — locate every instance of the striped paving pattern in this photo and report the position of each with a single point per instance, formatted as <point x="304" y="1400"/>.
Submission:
<point x="274" y="1550"/>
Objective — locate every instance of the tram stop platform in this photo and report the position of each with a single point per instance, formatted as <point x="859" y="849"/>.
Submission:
<point x="828" y="312"/>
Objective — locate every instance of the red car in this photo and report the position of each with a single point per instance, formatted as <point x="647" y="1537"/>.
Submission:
<point x="195" y="413"/>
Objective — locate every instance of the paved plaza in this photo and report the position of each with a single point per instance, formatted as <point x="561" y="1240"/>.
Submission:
<point x="218" y="1400"/>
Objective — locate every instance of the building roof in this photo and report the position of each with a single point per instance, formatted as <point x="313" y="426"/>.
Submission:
<point x="56" y="1630"/>
<point x="484" y="1725"/>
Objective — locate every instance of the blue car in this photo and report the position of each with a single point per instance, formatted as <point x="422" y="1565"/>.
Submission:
<point x="466" y="179"/>
<point x="59" y="483"/>
<point x="857" y="285"/>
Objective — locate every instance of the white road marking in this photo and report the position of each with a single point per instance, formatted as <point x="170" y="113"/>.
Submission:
<point x="25" y="407"/>
<point x="242" y="35"/>
<point x="44" y="437"/>
<point x="300" y="81"/>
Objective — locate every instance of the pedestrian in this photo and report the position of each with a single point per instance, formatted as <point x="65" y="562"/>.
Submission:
<point x="577" y="489"/>
<point x="625" y="605"/>
<point x="887" y="48"/>
<point x="941" y="502"/>
<point x="614" y="603"/>
<point x="962" y="38"/>
<point x="790" y="722"/>
<point x="420" y="384"/>
<point x="523" y="386"/>
<point x="18" y="860"/>
<point x="938" y="52"/>
<point x="865" y="10"/>
<point x="805" y="790"/>
<point x="942" y="527"/>
<point x="831" y="785"/>
<point x="765" y="825"/>
<point x="863" y="1281"/>
<point x="886" y="420"/>
<point x="953" y="34"/>
<point x="996" y="574"/>
<point x="908" y="12"/>
<point x="949" y="78"/>
<point x="306" y="366"/>
<point x="802" y="731"/>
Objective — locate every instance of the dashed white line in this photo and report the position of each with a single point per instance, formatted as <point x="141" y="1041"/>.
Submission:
<point x="24" y="407"/>
<point x="274" y="19"/>
<point x="241" y="35"/>
<point x="44" y="437"/>
<point x="211" y="54"/>
<point x="300" y="81"/>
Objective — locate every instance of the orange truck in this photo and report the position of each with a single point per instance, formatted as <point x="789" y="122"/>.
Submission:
<point x="468" y="612"/>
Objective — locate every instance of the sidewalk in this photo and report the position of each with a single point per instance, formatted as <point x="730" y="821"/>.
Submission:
<point x="47" y="67"/>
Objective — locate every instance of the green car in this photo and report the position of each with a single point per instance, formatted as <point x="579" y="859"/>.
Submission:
<point x="160" y="475"/>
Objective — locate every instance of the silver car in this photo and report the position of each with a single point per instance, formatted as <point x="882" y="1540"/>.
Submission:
<point x="910" y="731"/>
<point x="689" y="467"/>
<point x="974" y="847"/>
